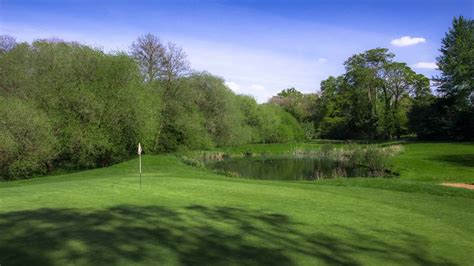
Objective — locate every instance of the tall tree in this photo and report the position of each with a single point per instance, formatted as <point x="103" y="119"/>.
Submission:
<point x="163" y="66"/>
<point x="148" y="51"/>
<point x="329" y="117"/>
<point x="371" y="99"/>
<point x="400" y="82"/>
<point x="365" y="83"/>
<point x="451" y="116"/>
<point x="456" y="61"/>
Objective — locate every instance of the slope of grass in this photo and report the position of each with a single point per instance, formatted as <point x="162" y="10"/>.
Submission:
<point x="437" y="162"/>
<point x="183" y="215"/>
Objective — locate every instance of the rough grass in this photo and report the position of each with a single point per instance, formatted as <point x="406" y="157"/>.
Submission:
<point x="184" y="215"/>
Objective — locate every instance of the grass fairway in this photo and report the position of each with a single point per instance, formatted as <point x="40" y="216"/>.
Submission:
<point x="184" y="215"/>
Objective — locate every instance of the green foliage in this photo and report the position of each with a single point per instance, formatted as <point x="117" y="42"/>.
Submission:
<point x="371" y="100"/>
<point x="224" y="120"/>
<point x="93" y="102"/>
<point x="451" y="116"/>
<point x="95" y="107"/>
<point x="27" y="143"/>
<point x="456" y="62"/>
<point x="204" y="113"/>
<point x="276" y="125"/>
<point x="251" y="117"/>
<point x="301" y="106"/>
<point x="375" y="159"/>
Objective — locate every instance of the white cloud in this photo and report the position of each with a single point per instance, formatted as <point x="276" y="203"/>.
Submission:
<point x="425" y="65"/>
<point x="257" y="87"/>
<point x="256" y="72"/>
<point x="322" y="60"/>
<point x="407" y="41"/>
<point x="233" y="86"/>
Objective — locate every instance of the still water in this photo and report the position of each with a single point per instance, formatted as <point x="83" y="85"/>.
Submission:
<point x="286" y="168"/>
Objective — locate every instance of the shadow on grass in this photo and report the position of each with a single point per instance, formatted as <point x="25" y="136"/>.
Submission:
<point x="465" y="160"/>
<point x="192" y="235"/>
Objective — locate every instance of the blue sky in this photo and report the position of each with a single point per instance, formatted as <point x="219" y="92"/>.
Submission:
<point x="258" y="47"/>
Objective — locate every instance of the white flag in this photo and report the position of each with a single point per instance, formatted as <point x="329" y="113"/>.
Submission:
<point x="139" y="148"/>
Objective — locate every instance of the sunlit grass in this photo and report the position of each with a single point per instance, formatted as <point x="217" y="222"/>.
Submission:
<point x="185" y="215"/>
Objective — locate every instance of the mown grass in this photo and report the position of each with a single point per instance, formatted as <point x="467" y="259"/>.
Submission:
<point x="453" y="162"/>
<point x="184" y="215"/>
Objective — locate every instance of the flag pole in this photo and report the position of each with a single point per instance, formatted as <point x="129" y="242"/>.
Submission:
<point x="140" y="162"/>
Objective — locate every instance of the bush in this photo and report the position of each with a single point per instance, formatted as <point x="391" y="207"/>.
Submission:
<point x="27" y="143"/>
<point x="374" y="158"/>
<point x="276" y="125"/>
<point x="93" y="105"/>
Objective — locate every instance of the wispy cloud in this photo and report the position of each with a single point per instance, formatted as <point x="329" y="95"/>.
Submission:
<point x="256" y="72"/>
<point x="257" y="87"/>
<point x="233" y="86"/>
<point x="425" y="65"/>
<point x="407" y="41"/>
<point x="322" y="60"/>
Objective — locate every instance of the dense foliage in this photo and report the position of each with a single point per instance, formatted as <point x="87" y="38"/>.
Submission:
<point x="66" y="105"/>
<point x="379" y="98"/>
<point x="301" y="106"/>
<point x="370" y="101"/>
<point x="451" y="116"/>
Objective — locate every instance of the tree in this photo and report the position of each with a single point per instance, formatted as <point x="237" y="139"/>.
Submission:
<point x="456" y="83"/>
<point x="291" y="92"/>
<point x="365" y="83"/>
<point x="294" y="102"/>
<point x="224" y="120"/>
<point x="157" y="61"/>
<point x="276" y="125"/>
<point x="329" y="117"/>
<point x="148" y="51"/>
<point x="451" y="115"/>
<point x="7" y="43"/>
<point x="400" y="82"/>
<point x="456" y="61"/>
<point x="27" y="143"/>
<point x="93" y="104"/>
<point x="251" y="117"/>
<point x="173" y="63"/>
<point x="371" y="100"/>
<point x="301" y="106"/>
<point x="163" y="67"/>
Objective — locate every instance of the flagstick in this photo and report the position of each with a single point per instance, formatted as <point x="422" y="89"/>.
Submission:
<point x="140" y="163"/>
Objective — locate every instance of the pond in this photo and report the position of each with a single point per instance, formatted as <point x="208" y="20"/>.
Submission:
<point x="287" y="168"/>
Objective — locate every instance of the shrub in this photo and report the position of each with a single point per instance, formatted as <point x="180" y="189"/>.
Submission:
<point x="27" y="143"/>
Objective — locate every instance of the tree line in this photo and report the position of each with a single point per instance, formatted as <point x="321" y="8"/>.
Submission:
<point x="69" y="106"/>
<point x="64" y="105"/>
<point x="378" y="98"/>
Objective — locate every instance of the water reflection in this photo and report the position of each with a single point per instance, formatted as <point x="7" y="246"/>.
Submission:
<point x="288" y="168"/>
